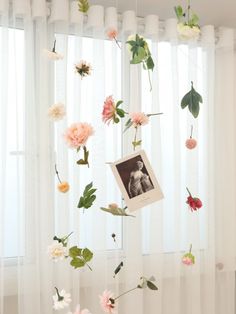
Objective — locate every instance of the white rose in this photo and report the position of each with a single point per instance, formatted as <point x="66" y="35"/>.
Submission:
<point x="187" y="32"/>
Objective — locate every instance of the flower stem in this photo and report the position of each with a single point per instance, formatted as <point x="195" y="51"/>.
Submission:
<point x="66" y="237"/>
<point x="188" y="10"/>
<point x="149" y="78"/>
<point x="191" y="131"/>
<point x="57" y="173"/>
<point x="88" y="266"/>
<point x="154" y="114"/>
<point x="54" y="46"/>
<point x="135" y="137"/>
<point x="60" y="298"/>
<point x="125" y="293"/>
<point x="117" y="42"/>
<point x="188" y="192"/>
<point x="190" y="249"/>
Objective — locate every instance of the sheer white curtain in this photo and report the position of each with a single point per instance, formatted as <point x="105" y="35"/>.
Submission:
<point x="33" y="211"/>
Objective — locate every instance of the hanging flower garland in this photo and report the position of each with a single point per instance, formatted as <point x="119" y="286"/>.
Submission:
<point x="140" y="53"/>
<point x="187" y="26"/>
<point x="188" y="258"/>
<point x="52" y="54"/>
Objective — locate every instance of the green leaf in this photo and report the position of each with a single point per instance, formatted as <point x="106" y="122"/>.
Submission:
<point x="136" y="143"/>
<point x="179" y="12"/>
<point x="119" y="103"/>
<point x="128" y="124"/>
<point x="115" y="211"/>
<point x="77" y="262"/>
<point x="194" y="20"/>
<point x="139" y="56"/>
<point x="83" y="6"/>
<point x="120" y="112"/>
<point x="151" y="285"/>
<point x="74" y="251"/>
<point x="149" y="63"/>
<point x="192" y="99"/>
<point x="87" y="255"/>
<point x="118" y="268"/>
<point x="82" y="162"/>
<point x="116" y="119"/>
<point x="86" y="201"/>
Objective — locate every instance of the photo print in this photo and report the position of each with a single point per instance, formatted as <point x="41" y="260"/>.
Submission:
<point x="136" y="180"/>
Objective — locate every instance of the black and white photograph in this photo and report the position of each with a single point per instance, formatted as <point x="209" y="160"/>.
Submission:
<point x="136" y="180"/>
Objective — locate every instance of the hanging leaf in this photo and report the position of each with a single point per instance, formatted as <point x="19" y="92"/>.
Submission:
<point x="128" y="124"/>
<point x="116" y="211"/>
<point x="179" y="12"/>
<point x="118" y="269"/>
<point x="83" y="6"/>
<point x="80" y="257"/>
<point x="147" y="283"/>
<point x="86" y="201"/>
<point x="192" y="99"/>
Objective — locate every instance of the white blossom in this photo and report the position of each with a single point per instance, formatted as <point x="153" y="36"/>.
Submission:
<point x="52" y="55"/>
<point x="57" y="112"/>
<point x="187" y="32"/>
<point x="57" y="251"/>
<point x="62" y="300"/>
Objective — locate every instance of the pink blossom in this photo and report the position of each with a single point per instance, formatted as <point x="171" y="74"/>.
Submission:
<point x="112" y="33"/>
<point x="187" y="260"/>
<point x="191" y="143"/>
<point x="139" y="118"/>
<point x="109" y="110"/>
<point x="106" y="302"/>
<point x="78" y="311"/>
<point x="77" y="134"/>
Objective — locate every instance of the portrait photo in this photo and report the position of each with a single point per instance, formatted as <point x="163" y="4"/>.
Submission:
<point x="136" y="180"/>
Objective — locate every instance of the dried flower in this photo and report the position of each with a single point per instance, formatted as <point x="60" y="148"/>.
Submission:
<point x="77" y="134"/>
<point x="61" y="300"/>
<point x="52" y="55"/>
<point x="57" y="112"/>
<point x="63" y="187"/>
<point x="193" y="202"/>
<point x="57" y="251"/>
<point x="83" y="68"/>
<point x="188" y="258"/>
<point x="107" y="302"/>
<point x="139" y="118"/>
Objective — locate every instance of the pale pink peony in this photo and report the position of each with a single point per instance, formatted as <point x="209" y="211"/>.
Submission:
<point x="112" y="33"/>
<point x="77" y="134"/>
<point x="139" y="118"/>
<point x="109" y="110"/>
<point x="105" y="301"/>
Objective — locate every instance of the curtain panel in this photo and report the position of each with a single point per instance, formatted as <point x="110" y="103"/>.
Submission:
<point x="32" y="211"/>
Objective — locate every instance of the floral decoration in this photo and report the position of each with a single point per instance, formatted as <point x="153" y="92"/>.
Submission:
<point x="112" y="34"/>
<point x="138" y="119"/>
<point x="83" y="6"/>
<point x="61" y="300"/>
<point x="57" y="251"/>
<point x="187" y="26"/>
<point x="111" y="111"/>
<point x="52" y="54"/>
<point x="192" y="100"/>
<point x="188" y="258"/>
<point x="56" y="112"/>
<point x="191" y="143"/>
<point x="76" y="136"/>
<point x="108" y="301"/>
<point x="194" y="202"/>
<point x="63" y="186"/>
<point x="78" y="311"/>
<point x="140" y="53"/>
<point x="83" y="68"/>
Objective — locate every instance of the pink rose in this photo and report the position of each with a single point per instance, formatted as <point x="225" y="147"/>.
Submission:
<point x="139" y="118"/>
<point x="107" y="302"/>
<point x="187" y="261"/>
<point x="194" y="202"/>
<point x="109" y="110"/>
<point x="77" y="134"/>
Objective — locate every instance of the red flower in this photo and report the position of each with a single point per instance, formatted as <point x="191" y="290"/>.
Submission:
<point x="193" y="202"/>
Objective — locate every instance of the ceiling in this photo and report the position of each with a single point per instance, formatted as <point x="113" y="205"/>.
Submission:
<point x="215" y="12"/>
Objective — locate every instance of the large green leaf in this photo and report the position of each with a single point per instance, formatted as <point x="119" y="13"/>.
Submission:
<point x="86" y="201"/>
<point x="150" y="64"/>
<point x="74" y="251"/>
<point x="83" y="6"/>
<point x="192" y="99"/>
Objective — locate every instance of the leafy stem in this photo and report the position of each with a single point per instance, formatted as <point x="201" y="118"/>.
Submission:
<point x="57" y="173"/>
<point x="190" y="249"/>
<point x="54" y="46"/>
<point x="191" y="135"/>
<point x="188" y="192"/>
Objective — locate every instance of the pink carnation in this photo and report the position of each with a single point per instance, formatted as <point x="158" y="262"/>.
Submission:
<point x="112" y="33"/>
<point x="139" y="118"/>
<point x="105" y="300"/>
<point x="109" y="110"/>
<point x="187" y="260"/>
<point x="77" y="134"/>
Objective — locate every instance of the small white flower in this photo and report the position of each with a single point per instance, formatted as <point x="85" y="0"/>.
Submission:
<point x="83" y="68"/>
<point x="187" y="32"/>
<point x="52" y="55"/>
<point x="57" y="251"/>
<point x="57" y="112"/>
<point x="61" y="300"/>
